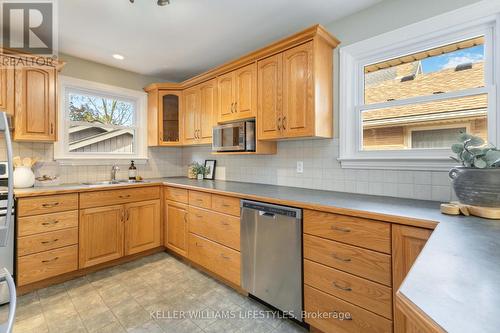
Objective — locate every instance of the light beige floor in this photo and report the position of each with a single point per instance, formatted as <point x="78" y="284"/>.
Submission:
<point x="123" y="298"/>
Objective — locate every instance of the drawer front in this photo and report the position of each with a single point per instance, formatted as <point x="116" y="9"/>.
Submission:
<point x="221" y="228"/>
<point x="361" y="321"/>
<point x="200" y="199"/>
<point x="47" y="204"/>
<point x="226" y="205"/>
<point x="37" y="267"/>
<point x="361" y="232"/>
<point x="366" y="294"/>
<point x="116" y="197"/>
<point x="361" y="262"/>
<point x="48" y="222"/>
<point x="46" y="241"/>
<point x="217" y="258"/>
<point x="176" y="194"/>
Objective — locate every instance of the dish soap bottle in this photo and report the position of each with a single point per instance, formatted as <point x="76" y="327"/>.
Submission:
<point x="132" y="171"/>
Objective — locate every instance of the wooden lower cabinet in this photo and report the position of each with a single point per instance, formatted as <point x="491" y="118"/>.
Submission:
<point x="176" y="228"/>
<point x="101" y="235"/>
<point x="142" y="226"/>
<point x="407" y="243"/>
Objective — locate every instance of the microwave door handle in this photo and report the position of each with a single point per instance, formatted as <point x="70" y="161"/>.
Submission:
<point x="4" y="229"/>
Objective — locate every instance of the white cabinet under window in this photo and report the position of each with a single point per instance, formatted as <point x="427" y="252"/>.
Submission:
<point x="100" y="122"/>
<point x="405" y="96"/>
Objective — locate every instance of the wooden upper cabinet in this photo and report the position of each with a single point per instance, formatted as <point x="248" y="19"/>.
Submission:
<point x="164" y="117"/>
<point x="142" y="226"/>
<point x="208" y="110"/>
<point x="35" y="99"/>
<point x="407" y="243"/>
<point x="100" y="235"/>
<point x="245" y="87"/>
<point x="226" y="97"/>
<point x="6" y="87"/>
<point x="192" y="101"/>
<point x="270" y="94"/>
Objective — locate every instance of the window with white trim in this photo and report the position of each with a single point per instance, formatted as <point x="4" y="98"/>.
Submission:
<point x="405" y="101"/>
<point x="100" y="122"/>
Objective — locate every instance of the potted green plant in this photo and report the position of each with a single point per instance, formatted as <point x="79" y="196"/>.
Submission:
<point x="477" y="181"/>
<point x="198" y="170"/>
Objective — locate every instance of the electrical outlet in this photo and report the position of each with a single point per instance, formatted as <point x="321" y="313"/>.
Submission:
<point x="300" y="167"/>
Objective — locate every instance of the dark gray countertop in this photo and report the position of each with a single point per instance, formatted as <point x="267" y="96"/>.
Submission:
<point x="456" y="278"/>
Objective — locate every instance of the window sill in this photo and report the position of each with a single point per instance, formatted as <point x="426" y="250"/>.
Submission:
<point x="398" y="164"/>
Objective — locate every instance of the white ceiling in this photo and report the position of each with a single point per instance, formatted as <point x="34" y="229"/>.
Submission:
<point x="187" y="37"/>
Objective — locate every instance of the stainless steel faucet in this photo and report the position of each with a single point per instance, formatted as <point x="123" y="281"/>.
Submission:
<point x="114" y="170"/>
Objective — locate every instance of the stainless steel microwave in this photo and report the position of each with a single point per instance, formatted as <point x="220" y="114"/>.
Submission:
<point x="239" y="136"/>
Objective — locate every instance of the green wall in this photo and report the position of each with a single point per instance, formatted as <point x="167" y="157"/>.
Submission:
<point x="383" y="17"/>
<point x="93" y="71"/>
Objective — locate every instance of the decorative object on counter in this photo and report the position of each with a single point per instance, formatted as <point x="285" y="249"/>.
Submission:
<point x="132" y="171"/>
<point x="477" y="181"/>
<point x="210" y="169"/>
<point x="456" y="208"/>
<point x="198" y="170"/>
<point x="47" y="174"/>
<point x="23" y="173"/>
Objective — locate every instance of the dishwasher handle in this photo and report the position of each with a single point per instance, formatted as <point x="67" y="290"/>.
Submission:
<point x="267" y="214"/>
<point x="270" y="210"/>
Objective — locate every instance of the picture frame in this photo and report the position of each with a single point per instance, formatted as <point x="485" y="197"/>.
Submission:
<point x="210" y="167"/>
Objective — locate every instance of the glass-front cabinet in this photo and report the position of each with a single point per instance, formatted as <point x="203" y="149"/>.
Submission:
<point x="164" y="117"/>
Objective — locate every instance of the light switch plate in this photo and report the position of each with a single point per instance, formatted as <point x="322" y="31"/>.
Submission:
<point x="300" y="167"/>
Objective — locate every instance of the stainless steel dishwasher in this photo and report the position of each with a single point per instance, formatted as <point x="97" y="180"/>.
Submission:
<point x="271" y="255"/>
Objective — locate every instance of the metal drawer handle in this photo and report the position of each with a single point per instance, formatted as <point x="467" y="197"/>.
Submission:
<point x="335" y="256"/>
<point x="341" y="229"/>
<point x="50" y="260"/>
<point x="49" y="205"/>
<point x="125" y="196"/>
<point x="198" y="245"/>
<point x="50" y="241"/>
<point x="199" y="216"/>
<point x="226" y="205"/>
<point x="224" y="223"/>
<point x="224" y="257"/>
<point x="51" y="222"/>
<point x="334" y="283"/>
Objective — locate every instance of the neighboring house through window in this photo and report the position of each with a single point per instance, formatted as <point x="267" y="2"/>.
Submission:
<point x="100" y="122"/>
<point x="405" y="101"/>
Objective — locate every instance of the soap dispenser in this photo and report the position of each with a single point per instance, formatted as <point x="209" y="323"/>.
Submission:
<point x="132" y="171"/>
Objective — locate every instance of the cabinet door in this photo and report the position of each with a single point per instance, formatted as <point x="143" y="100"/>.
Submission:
<point x="298" y="112"/>
<point x="226" y="97"/>
<point x="142" y="226"/>
<point x="169" y="117"/>
<point x="208" y="109"/>
<point x="100" y="235"/>
<point x="6" y="87"/>
<point x="176" y="227"/>
<point x="270" y="75"/>
<point x="245" y="80"/>
<point x="407" y="243"/>
<point x="35" y="116"/>
<point x="191" y="115"/>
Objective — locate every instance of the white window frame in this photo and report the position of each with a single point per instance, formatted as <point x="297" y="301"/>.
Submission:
<point x="139" y="98"/>
<point x="461" y="24"/>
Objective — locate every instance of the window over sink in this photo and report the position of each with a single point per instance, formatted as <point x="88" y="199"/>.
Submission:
<point x="407" y="95"/>
<point x="100" y="122"/>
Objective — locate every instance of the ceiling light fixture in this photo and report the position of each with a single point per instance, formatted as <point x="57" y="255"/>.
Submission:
<point x="118" y="56"/>
<point x="159" y="2"/>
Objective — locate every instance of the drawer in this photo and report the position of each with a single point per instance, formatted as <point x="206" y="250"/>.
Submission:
<point x="116" y="197"/>
<point x="46" y="241"/>
<point x="368" y="264"/>
<point x="200" y="199"/>
<point x="48" y="222"/>
<point x="176" y="194"/>
<point x="361" y="320"/>
<point x="357" y="231"/>
<point x="366" y="294"/>
<point x="226" y="205"/>
<point x="37" y="267"/>
<point x="217" y="258"/>
<point x="220" y="228"/>
<point x="47" y="204"/>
